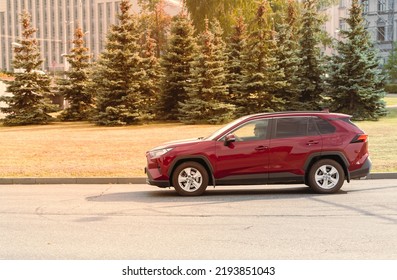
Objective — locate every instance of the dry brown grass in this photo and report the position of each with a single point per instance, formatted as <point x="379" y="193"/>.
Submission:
<point x="391" y="100"/>
<point x="383" y="142"/>
<point x="85" y="150"/>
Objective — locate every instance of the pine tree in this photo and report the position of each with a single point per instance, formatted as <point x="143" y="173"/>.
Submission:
<point x="262" y="75"/>
<point x="154" y="17"/>
<point x="207" y="90"/>
<point x="176" y="62"/>
<point x="31" y="89"/>
<point x="150" y="80"/>
<point x="235" y="60"/>
<point x="356" y="82"/>
<point x="75" y="87"/>
<point x="287" y="55"/>
<point x="311" y="68"/>
<point x="118" y="73"/>
<point x="391" y="64"/>
<point x="219" y="64"/>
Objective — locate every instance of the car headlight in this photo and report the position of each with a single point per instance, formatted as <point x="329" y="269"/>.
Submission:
<point x="158" y="153"/>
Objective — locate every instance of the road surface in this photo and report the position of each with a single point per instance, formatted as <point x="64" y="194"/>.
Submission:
<point x="144" y="222"/>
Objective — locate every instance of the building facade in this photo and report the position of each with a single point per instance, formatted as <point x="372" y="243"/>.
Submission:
<point x="56" y="21"/>
<point x="380" y="21"/>
<point x="336" y="16"/>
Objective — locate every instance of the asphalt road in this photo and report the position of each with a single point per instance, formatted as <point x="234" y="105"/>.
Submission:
<point x="144" y="222"/>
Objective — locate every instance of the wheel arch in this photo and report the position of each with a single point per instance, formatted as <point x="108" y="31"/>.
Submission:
<point x="336" y="156"/>
<point x="199" y="159"/>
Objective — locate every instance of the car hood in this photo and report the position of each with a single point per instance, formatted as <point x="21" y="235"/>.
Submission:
<point x="176" y="143"/>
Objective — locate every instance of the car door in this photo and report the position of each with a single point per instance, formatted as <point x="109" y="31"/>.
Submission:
<point x="293" y="139"/>
<point x="245" y="160"/>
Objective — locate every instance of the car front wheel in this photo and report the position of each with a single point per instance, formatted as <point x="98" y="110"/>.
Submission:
<point x="190" y="178"/>
<point x="326" y="176"/>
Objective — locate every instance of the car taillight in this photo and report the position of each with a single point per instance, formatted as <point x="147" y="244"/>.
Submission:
<point x="360" y="138"/>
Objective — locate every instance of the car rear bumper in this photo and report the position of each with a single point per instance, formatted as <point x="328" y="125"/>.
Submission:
<point x="363" y="171"/>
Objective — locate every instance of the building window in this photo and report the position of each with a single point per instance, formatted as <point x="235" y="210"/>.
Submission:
<point x="100" y="26"/>
<point x="117" y="11"/>
<point x="342" y="24"/>
<point x="342" y="4"/>
<point x="381" y="5"/>
<point x="38" y="8"/>
<point x="45" y="19"/>
<point x="30" y="6"/>
<point x="109" y="13"/>
<point x="2" y="25"/>
<point x="3" y="42"/>
<point x="381" y="33"/>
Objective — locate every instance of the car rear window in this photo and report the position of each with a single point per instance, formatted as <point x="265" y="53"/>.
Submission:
<point x="347" y="120"/>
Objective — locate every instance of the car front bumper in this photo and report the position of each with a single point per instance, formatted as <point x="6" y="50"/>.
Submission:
<point x="159" y="183"/>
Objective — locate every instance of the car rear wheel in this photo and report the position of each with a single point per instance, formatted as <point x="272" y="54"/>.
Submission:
<point x="190" y="178"/>
<point x="326" y="176"/>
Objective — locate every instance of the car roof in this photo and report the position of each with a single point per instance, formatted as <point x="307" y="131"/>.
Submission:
<point x="298" y="113"/>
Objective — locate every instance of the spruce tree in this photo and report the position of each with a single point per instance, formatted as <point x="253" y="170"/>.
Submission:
<point x="391" y="65"/>
<point x="219" y="64"/>
<point x="176" y="62"/>
<point x="287" y="55"/>
<point x="207" y="91"/>
<point x="153" y="17"/>
<point x="29" y="103"/>
<point x="311" y="71"/>
<point x="118" y="73"/>
<point x="235" y="60"/>
<point x="150" y="80"/>
<point x="75" y="87"/>
<point x="262" y="75"/>
<point x="356" y="82"/>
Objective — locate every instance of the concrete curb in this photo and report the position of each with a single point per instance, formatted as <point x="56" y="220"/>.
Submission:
<point x="382" y="176"/>
<point x="133" y="180"/>
<point x="44" y="181"/>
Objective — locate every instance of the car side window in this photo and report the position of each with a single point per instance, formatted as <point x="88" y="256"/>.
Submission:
<point x="324" y="126"/>
<point x="251" y="131"/>
<point x="294" y="127"/>
<point x="311" y="127"/>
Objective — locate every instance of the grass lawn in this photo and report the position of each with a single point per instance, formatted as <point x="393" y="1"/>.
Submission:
<point x="382" y="142"/>
<point x="85" y="150"/>
<point x="391" y="100"/>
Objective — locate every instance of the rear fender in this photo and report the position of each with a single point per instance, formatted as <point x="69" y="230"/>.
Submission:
<point x="335" y="155"/>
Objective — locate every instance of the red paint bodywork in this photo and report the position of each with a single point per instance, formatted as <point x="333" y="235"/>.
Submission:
<point x="271" y="160"/>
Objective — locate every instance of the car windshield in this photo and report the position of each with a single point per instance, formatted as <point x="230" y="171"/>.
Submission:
<point x="223" y="129"/>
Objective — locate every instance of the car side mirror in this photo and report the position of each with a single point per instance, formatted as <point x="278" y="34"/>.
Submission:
<point x="230" y="138"/>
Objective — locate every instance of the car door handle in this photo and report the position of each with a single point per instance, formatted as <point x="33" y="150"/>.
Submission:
<point x="261" y="148"/>
<point x="312" y="142"/>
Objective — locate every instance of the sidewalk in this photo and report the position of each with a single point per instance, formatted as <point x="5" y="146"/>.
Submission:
<point x="132" y="180"/>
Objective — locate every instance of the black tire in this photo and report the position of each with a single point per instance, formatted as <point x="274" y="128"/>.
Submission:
<point x="190" y="179"/>
<point x="326" y="176"/>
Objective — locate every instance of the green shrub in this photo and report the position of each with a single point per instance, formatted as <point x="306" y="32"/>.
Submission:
<point x="391" y="88"/>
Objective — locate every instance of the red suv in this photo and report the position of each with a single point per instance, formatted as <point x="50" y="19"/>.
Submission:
<point x="319" y="149"/>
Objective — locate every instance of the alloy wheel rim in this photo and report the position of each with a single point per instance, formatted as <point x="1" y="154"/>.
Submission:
<point x="327" y="177"/>
<point x="190" y="179"/>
